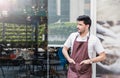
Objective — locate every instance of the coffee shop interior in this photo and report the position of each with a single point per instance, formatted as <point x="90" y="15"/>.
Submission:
<point x="23" y="38"/>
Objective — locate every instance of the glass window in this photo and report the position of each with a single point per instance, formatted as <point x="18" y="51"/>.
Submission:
<point x="62" y="16"/>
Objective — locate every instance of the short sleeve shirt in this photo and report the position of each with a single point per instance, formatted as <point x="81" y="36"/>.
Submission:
<point x="94" y="44"/>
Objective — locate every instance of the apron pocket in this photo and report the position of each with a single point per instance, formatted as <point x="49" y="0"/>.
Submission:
<point x="84" y="68"/>
<point x="72" y="67"/>
<point x="77" y="67"/>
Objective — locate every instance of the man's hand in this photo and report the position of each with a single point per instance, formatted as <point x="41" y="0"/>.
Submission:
<point x="85" y="62"/>
<point x="71" y="61"/>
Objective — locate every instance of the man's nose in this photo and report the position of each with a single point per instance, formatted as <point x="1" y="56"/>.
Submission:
<point x="77" y="26"/>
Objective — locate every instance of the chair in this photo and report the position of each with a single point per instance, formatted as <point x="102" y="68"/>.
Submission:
<point x="62" y="59"/>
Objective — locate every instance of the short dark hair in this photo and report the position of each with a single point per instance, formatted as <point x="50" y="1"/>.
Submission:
<point x="86" y="19"/>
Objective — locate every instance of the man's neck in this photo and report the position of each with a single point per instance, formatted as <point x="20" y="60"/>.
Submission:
<point x="84" y="34"/>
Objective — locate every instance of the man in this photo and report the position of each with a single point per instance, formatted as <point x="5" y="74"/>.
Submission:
<point x="83" y="45"/>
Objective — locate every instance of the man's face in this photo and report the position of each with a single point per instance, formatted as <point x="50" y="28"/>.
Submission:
<point x="81" y="27"/>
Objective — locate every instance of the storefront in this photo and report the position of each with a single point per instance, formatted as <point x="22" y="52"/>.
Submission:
<point x="43" y="26"/>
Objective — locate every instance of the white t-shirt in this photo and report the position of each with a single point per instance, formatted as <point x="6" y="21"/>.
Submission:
<point x="94" y="44"/>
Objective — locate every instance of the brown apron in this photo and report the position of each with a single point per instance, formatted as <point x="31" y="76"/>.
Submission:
<point x="80" y="53"/>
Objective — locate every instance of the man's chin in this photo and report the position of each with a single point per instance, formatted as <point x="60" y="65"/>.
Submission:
<point x="78" y="31"/>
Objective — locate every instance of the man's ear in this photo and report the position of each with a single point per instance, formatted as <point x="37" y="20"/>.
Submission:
<point x="88" y="25"/>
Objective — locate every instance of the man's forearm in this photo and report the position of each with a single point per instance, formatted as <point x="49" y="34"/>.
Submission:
<point x="65" y="53"/>
<point x="99" y="58"/>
